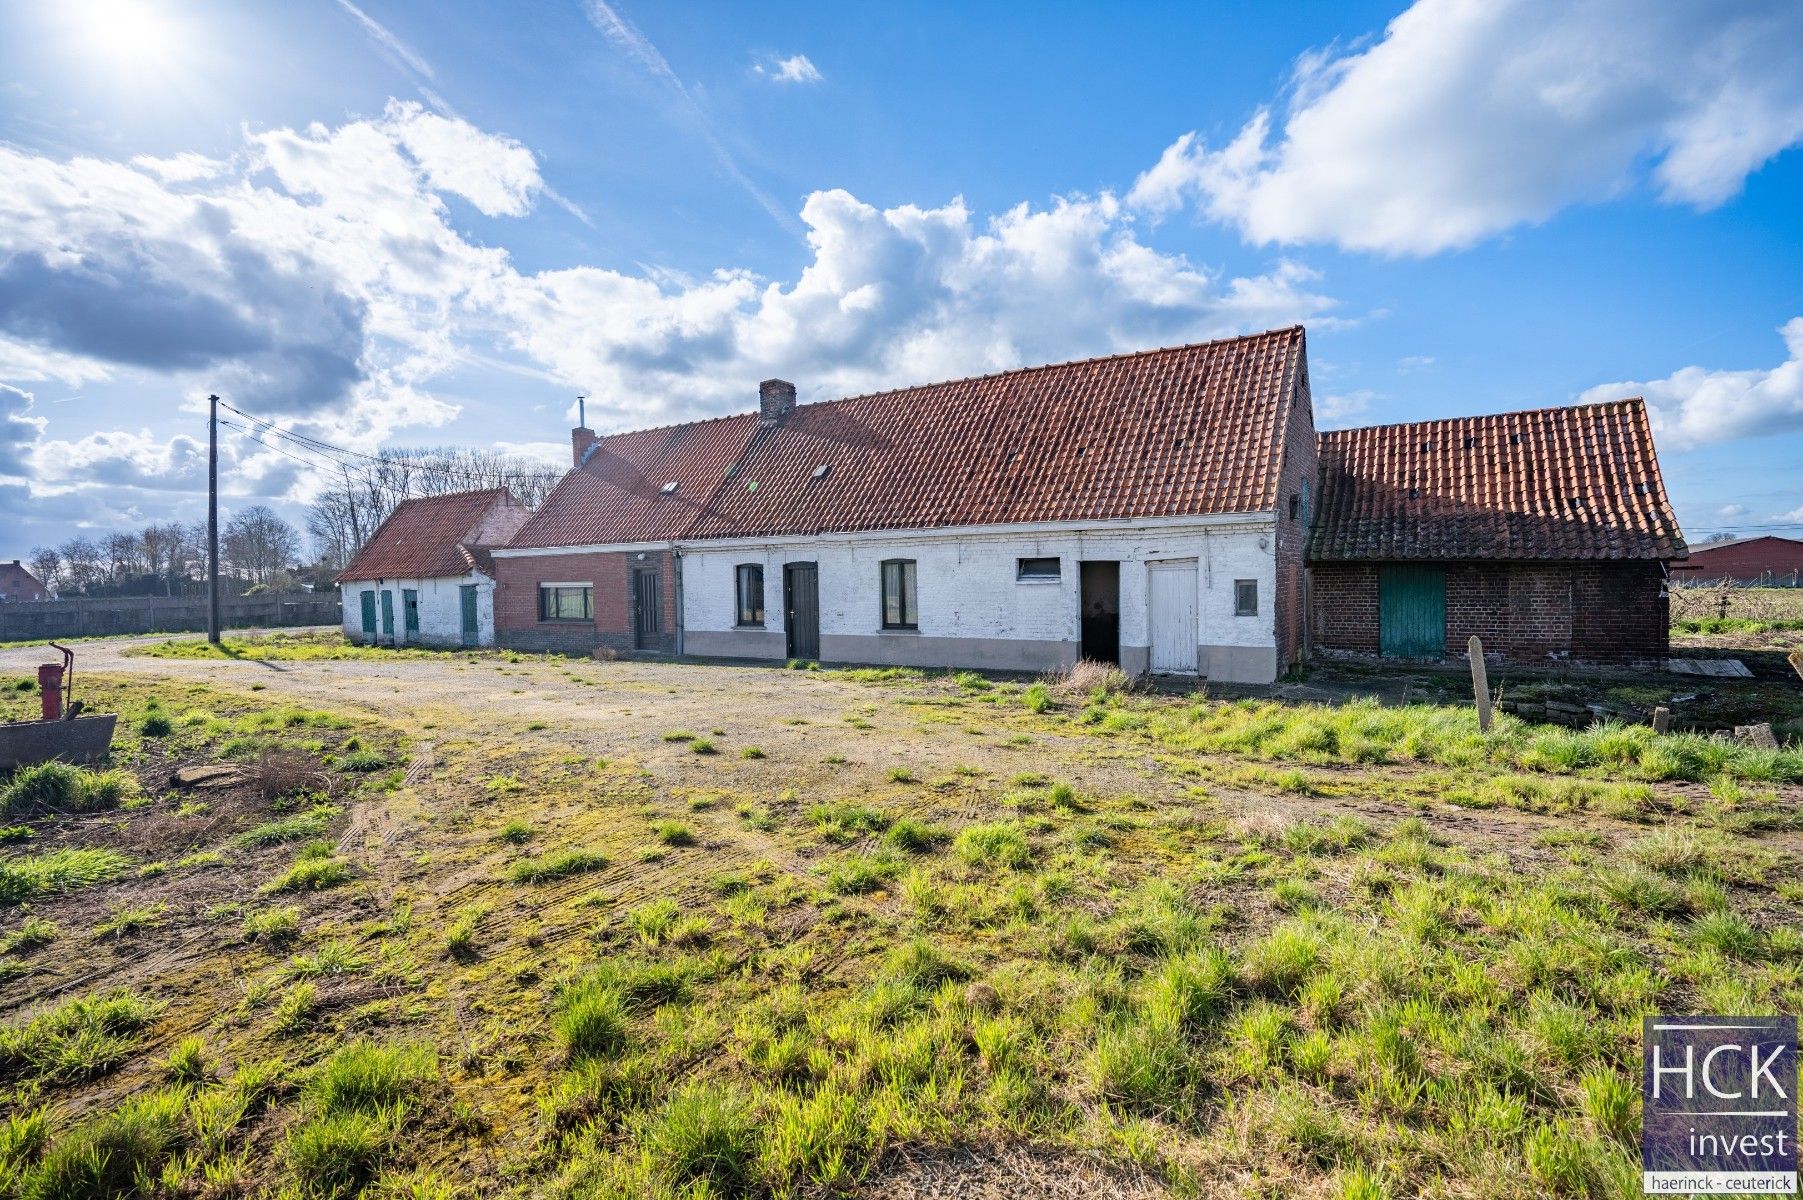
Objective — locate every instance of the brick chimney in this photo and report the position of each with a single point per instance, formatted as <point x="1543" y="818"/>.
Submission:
<point x="581" y="439"/>
<point x="776" y="400"/>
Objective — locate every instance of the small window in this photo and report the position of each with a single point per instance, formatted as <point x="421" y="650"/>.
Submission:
<point x="1295" y="506"/>
<point x="566" y="602"/>
<point x="750" y="587"/>
<point x="900" y="601"/>
<point x="1245" y="597"/>
<point x="1038" y="570"/>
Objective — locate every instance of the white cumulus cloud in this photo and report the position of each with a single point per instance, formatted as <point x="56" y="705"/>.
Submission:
<point x="1471" y="117"/>
<point x="1694" y="406"/>
<point x="797" y="68"/>
<point x="891" y="296"/>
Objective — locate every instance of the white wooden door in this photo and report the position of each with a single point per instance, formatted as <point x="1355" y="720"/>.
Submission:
<point x="1172" y="597"/>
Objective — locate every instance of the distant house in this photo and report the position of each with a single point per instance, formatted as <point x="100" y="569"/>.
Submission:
<point x="1767" y="561"/>
<point x="1546" y="533"/>
<point x="19" y="584"/>
<point x="425" y="577"/>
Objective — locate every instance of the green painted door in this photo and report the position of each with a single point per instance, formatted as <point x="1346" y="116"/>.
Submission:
<point x="410" y="612"/>
<point x="368" y="601"/>
<point x="387" y="615"/>
<point x="1411" y="612"/>
<point x="467" y="595"/>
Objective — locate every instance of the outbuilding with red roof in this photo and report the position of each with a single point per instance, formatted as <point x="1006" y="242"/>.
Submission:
<point x="426" y="575"/>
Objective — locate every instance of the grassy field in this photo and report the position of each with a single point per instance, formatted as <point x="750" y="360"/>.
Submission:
<point x="1729" y="613"/>
<point x="789" y="948"/>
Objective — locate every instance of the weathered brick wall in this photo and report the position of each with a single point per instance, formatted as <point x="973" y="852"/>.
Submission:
<point x="1524" y="612"/>
<point x="1297" y="477"/>
<point x="516" y="601"/>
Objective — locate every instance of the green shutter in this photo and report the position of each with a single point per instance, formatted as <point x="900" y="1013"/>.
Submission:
<point x="368" y="601"/>
<point x="1412" y="612"/>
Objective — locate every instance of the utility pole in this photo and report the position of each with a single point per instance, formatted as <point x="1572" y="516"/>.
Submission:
<point x="213" y="519"/>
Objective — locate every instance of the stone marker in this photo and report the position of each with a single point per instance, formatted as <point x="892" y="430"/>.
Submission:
<point x="1480" y="684"/>
<point x="208" y="775"/>
<point x="1662" y="720"/>
<point x="1759" y="736"/>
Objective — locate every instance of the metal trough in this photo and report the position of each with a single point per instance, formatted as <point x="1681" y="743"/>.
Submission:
<point x="76" y="740"/>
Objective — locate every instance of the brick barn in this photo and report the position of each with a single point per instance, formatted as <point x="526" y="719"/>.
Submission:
<point x="1755" y="561"/>
<point x="1545" y="533"/>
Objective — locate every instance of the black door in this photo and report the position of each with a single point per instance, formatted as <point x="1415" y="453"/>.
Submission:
<point x="646" y="611"/>
<point x="1099" y="622"/>
<point x="801" y="608"/>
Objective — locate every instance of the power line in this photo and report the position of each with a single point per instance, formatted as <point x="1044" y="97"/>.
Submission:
<point x="319" y="446"/>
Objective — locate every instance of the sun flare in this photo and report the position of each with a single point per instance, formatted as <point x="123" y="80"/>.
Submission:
<point x="128" y="36"/>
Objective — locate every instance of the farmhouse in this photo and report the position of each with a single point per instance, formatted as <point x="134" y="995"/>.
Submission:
<point x="425" y="577"/>
<point x="19" y="585"/>
<point x="1545" y="533"/>
<point x="1157" y="510"/>
<point x="1757" y="561"/>
<point x="1148" y="509"/>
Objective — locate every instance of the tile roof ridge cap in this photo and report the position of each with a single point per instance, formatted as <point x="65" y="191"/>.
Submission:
<point x="1635" y="403"/>
<point x="938" y="383"/>
<point x="464" y="495"/>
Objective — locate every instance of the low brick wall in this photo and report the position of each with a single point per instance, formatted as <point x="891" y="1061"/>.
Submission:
<point x="517" y="582"/>
<point x="1611" y="612"/>
<point x="162" y="614"/>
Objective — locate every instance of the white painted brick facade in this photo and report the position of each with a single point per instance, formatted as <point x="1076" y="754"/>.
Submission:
<point x="968" y="587"/>
<point x="440" y="609"/>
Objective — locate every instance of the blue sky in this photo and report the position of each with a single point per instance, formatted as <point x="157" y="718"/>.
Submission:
<point x="397" y="223"/>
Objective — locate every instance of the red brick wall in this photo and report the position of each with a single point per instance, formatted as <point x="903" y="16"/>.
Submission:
<point x="1524" y="612"/>
<point x="516" y="601"/>
<point x="1773" y="559"/>
<point x="1296" y="477"/>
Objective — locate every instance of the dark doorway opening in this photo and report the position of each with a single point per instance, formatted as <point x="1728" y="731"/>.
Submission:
<point x="801" y="610"/>
<point x="647" y="610"/>
<point x="1099" y="595"/>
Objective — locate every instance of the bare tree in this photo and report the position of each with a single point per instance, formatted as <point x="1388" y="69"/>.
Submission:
<point x="124" y="555"/>
<point x="347" y="510"/>
<point x="161" y="548"/>
<point x="47" y="565"/>
<point x="259" y="544"/>
<point x="82" y="563"/>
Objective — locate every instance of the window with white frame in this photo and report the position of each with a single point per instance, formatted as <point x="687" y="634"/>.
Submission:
<point x="566" y="601"/>
<point x="1037" y="570"/>
<point x="1245" y="597"/>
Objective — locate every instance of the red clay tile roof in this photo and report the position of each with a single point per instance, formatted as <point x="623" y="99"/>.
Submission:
<point x="424" y="538"/>
<point x="1191" y="429"/>
<point x="1554" y="483"/>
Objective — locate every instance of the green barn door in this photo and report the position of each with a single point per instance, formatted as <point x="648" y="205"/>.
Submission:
<point x="467" y="598"/>
<point x="388" y="616"/>
<point x="1411" y="612"/>
<point x="368" y="601"/>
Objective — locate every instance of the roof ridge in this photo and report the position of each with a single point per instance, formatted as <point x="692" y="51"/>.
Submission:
<point x="939" y="383"/>
<point x="453" y="495"/>
<point x="1625" y="401"/>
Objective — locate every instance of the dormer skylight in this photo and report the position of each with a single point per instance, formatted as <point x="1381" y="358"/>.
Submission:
<point x="670" y="488"/>
<point x="821" y="470"/>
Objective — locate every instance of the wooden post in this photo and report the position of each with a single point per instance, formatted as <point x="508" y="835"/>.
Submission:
<point x="1480" y="685"/>
<point x="1662" y="719"/>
